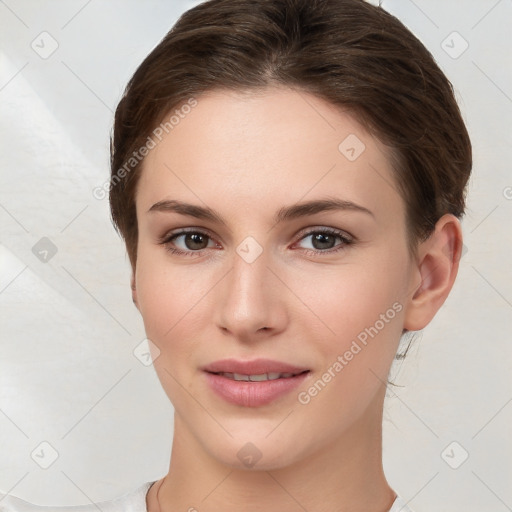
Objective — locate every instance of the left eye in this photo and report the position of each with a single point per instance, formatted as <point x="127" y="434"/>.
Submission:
<point x="193" y="241"/>
<point x="323" y="240"/>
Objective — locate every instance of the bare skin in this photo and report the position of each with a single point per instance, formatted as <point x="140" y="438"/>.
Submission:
<point x="246" y="156"/>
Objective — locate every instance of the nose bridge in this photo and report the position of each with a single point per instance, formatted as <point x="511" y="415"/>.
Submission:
<point x="250" y="301"/>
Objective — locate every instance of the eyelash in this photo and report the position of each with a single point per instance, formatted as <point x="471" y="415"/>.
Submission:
<point x="346" y="241"/>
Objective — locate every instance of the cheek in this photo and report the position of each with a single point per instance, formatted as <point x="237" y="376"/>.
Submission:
<point x="362" y="318"/>
<point x="170" y="300"/>
<point x="349" y="299"/>
<point x="364" y="310"/>
<point x="176" y="304"/>
<point x="168" y="295"/>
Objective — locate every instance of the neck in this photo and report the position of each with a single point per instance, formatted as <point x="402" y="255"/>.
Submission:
<point x="344" y="476"/>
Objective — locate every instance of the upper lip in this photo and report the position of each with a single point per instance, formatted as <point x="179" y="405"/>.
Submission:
<point x="252" y="367"/>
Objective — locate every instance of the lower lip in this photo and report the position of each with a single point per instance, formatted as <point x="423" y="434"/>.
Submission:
<point x="253" y="394"/>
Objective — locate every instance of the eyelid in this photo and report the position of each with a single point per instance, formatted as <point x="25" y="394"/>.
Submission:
<point x="169" y="236"/>
<point x="324" y="229"/>
<point x="347" y="239"/>
<point x="300" y="235"/>
<point x="173" y="233"/>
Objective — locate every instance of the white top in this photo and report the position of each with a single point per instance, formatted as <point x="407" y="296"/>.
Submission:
<point x="134" y="501"/>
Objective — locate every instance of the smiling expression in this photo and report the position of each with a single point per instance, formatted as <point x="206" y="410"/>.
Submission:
<point x="262" y="237"/>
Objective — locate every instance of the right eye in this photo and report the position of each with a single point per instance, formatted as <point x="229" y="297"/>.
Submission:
<point x="187" y="242"/>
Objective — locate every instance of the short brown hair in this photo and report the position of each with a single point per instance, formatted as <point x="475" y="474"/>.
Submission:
<point x="348" y="52"/>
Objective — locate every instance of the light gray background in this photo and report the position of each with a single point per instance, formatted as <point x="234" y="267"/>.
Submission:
<point x="68" y="373"/>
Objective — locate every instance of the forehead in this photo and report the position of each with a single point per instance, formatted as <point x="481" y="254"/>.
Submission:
<point x="277" y="143"/>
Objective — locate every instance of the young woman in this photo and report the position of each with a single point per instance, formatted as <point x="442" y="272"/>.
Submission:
<point x="288" y="177"/>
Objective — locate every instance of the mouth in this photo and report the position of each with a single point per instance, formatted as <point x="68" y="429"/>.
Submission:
<point x="262" y="377"/>
<point x="260" y="369"/>
<point x="253" y="383"/>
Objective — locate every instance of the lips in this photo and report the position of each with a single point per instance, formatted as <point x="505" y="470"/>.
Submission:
<point x="253" y="383"/>
<point x="257" y="378"/>
<point x="253" y="367"/>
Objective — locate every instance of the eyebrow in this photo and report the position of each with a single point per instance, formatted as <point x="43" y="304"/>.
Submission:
<point x="294" y="211"/>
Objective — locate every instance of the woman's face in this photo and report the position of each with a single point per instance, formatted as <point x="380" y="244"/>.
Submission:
<point x="295" y="252"/>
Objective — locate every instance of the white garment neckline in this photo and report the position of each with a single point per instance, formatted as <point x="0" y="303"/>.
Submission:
<point x="133" y="501"/>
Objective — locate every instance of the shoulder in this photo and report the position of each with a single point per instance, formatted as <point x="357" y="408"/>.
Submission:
<point x="133" y="501"/>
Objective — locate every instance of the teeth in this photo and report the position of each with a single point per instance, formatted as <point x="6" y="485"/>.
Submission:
<point x="256" y="378"/>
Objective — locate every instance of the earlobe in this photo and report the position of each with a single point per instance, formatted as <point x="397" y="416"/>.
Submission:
<point x="436" y="266"/>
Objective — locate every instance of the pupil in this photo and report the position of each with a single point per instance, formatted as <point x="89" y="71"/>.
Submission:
<point x="323" y="241"/>
<point x="195" y="241"/>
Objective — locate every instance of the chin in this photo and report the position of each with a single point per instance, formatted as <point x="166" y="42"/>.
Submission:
<point x="257" y="453"/>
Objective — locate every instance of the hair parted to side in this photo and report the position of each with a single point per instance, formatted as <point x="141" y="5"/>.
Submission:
<point x="348" y="52"/>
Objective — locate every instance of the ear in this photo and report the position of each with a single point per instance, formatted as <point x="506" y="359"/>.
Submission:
<point x="435" y="270"/>
<point x="134" y="290"/>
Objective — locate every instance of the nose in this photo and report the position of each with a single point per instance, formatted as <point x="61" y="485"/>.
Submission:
<point x="251" y="301"/>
